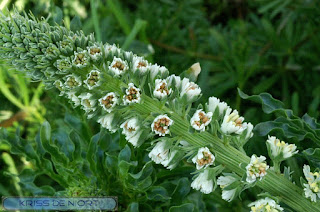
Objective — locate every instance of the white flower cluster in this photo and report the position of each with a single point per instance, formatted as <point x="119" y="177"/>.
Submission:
<point x="266" y="204"/>
<point x="279" y="150"/>
<point x="257" y="168"/>
<point x="312" y="188"/>
<point x="203" y="183"/>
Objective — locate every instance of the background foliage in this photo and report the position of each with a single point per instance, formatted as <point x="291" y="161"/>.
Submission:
<point x="257" y="46"/>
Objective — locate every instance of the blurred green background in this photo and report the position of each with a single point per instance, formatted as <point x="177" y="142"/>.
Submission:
<point x="258" y="46"/>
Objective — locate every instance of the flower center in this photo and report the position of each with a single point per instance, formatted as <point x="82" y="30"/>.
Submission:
<point x="93" y="78"/>
<point x="108" y="101"/>
<point x="132" y="94"/>
<point x="163" y="88"/>
<point x="80" y="59"/>
<point x="141" y="64"/>
<point x="205" y="160"/>
<point x="94" y="50"/>
<point x="258" y="168"/>
<point x="161" y="125"/>
<point x="72" y="82"/>
<point x="119" y="65"/>
<point x="203" y="119"/>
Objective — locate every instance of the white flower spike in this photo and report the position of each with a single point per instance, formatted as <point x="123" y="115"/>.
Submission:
<point x="200" y="120"/>
<point x="256" y="168"/>
<point x="204" y="158"/>
<point x="161" y="125"/>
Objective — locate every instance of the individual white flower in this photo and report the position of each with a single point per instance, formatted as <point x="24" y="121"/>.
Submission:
<point x="155" y="69"/>
<point x="88" y="103"/>
<point x="92" y="80"/>
<point x="94" y="52"/>
<point x="224" y="181"/>
<point x="173" y="79"/>
<point x="130" y="127"/>
<point x="190" y="89"/>
<point x="249" y="132"/>
<point x="140" y="64"/>
<point x="80" y="59"/>
<point x="279" y="149"/>
<point x="195" y="69"/>
<point x="106" y="122"/>
<point x="233" y="123"/>
<point x="169" y="160"/>
<point x="111" y="49"/>
<point x="312" y="188"/>
<point x="73" y="97"/>
<point x="132" y="95"/>
<point x="200" y="120"/>
<point x="204" y="158"/>
<point x="109" y="101"/>
<point x="256" y="168"/>
<point x="265" y="205"/>
<point x="214" y="103"/>
<point x="118" y="66"/>
<point x="72" y="81"/>
<point x="63" y="65"/>
<point x="161" y="124"/>
<point x="161" y="89"/>
<point x="159" y="153"/>
<point x="203" y="183"/>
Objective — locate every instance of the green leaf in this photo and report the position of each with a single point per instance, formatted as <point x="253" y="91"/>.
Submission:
<point x="182" y="208"/>
<point x="158" y="193"/>
<point x="56" y="155"/>
<point x="182" y="190"/>
<point x="76" y="139"/>
<point x="269" y="104"/>
<point x="75" y="24"/>
<point x="133" y="207"/>
<point x="57" y="15"/>
<point x="313" y="155"/>
<point x="125" y="154"/>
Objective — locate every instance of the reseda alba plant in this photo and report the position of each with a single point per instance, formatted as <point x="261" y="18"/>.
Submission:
<point x="123" y="91"/>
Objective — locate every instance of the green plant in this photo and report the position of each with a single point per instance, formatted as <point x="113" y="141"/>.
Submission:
<point x="122" y="90"/>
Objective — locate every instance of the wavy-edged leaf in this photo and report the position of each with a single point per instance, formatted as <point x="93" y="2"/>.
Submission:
<point x="313" y="155"/>
<point x="182" y="208"/>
